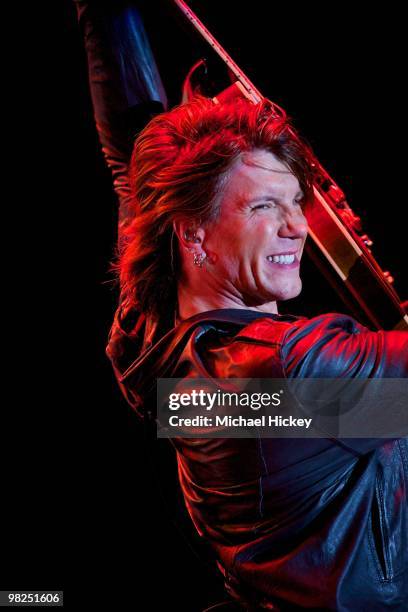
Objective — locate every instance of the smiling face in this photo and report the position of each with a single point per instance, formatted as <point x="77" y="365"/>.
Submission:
<point x="255" y="245"/>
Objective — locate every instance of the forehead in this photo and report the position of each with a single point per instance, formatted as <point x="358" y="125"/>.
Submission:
<point x="257" y="173"/>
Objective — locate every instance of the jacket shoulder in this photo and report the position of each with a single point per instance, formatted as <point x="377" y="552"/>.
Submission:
<point x="272" y="346"/>
<point x="254" y="350"/>
<point x="268" y="330"/>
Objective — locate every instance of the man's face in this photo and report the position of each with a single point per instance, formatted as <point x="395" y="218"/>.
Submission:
<point x="257" y="241"/>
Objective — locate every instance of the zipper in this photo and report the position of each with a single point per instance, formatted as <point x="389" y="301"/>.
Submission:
<point x="380" y="539"/>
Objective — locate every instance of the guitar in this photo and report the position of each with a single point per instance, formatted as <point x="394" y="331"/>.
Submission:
<point x="337" y="243"/>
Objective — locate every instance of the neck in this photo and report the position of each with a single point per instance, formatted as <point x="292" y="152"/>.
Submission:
<point x="191" y="303"/>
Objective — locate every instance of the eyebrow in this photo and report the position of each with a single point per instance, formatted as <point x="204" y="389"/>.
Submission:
<point x="249" y="162"/>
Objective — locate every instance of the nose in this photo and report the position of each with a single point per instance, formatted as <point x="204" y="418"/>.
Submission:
<point x="293" y="225"/>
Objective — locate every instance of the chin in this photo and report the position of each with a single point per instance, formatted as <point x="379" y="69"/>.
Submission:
<point x="288" y="293"/>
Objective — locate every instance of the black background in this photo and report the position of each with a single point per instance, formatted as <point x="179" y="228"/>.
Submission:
<point x="90" y="506"/>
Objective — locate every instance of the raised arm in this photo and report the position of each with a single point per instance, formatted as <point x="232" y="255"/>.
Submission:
<point x="125" y="84"/>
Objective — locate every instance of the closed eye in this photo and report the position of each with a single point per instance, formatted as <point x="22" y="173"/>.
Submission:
<point x="264" y="206"/>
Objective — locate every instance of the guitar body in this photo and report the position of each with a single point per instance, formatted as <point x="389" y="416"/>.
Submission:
<point x="348" y="265"/>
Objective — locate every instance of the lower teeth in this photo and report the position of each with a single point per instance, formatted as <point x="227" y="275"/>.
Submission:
<point x="282" y="263"/>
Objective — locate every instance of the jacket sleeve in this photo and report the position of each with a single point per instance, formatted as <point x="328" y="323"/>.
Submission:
<point x="125" y="84"/>
<point x="335" y="346"/>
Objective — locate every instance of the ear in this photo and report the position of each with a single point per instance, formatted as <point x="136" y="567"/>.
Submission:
<point x="190" y="234"/>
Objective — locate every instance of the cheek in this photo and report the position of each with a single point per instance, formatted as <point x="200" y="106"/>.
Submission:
<point x="240" y="242"/>
<point x="227" y="243"/>
<point x="224" y="250"/>
<point x="261" y="236"/>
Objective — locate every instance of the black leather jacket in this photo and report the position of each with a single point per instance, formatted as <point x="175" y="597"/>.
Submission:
<point x="296" y="523"/>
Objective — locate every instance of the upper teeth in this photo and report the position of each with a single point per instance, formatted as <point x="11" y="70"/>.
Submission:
<point x="282" y="259"/>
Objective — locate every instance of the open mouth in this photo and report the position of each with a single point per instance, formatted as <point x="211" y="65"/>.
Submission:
<point x="288" y="260"/>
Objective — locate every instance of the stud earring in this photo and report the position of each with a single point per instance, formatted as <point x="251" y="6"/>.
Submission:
<point x="198" y="259"/>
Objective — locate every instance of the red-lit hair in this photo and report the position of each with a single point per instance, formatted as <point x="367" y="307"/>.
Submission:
<point x="177" y="164"/>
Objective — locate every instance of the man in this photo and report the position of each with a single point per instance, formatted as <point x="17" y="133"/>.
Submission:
<point x="215" y="230"/>
<point x="304" y="523"/>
